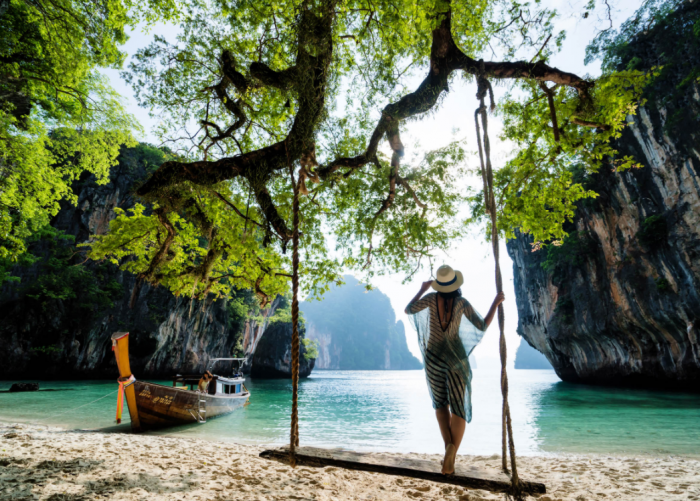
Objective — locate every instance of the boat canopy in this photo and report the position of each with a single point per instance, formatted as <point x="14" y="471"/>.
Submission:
<point x="214" y="360"/>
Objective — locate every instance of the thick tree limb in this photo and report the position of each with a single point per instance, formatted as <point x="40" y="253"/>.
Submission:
<point x="283" y="80"/>
<point x="268" y="208"/>
<point x="203" y="172"/>
<point x="311" y="94"/>
<point x="264" y="298"/>
<point x="308" y="79"/>
<point x="522" y="69"/>
<point x="446" y="57"/>
<point x="228" y="67"/>
<point x="586" y="123"/>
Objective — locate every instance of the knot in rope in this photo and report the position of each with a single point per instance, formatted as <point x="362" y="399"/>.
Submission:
<point x="483" y="86"/>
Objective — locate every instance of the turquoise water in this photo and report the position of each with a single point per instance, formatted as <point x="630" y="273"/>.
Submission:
<point x="390" y="411"/>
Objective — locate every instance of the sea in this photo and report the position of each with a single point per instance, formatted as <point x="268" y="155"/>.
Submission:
<point x="391" y="411"/>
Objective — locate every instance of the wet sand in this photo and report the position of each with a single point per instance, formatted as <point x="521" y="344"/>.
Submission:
<point x="53" y="464"/>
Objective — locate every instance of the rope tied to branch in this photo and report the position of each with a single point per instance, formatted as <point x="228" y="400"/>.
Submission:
<point x="484" y="87"/>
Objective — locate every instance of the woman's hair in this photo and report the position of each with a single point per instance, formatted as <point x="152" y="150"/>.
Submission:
<point x="448" y="295"/>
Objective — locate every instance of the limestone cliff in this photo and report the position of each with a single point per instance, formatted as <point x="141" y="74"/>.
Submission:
<point x="527" y="357"/>
<point x="57" y="321"/>
<point x="357" y="330"/>
<point x="611" y="305"/>
<point x="273" y="356"/>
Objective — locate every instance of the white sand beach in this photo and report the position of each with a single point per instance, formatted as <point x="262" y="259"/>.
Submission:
<point x="53" y="464"/>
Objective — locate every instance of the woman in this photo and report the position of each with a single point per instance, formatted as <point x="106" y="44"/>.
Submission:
<point x="446" y="342"/>
<point x="204" y="382"/>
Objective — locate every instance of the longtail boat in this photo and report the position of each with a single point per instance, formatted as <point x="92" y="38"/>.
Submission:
<point x="154" y="405"/>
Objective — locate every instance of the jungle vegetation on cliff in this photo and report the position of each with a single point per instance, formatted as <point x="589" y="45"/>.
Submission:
<point x="59" y="118"/>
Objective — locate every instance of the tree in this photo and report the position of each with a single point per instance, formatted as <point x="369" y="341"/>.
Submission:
<point x="59" y="118"/>
<point x="254" y="92"/>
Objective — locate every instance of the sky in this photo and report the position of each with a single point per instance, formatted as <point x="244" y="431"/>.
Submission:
<point x="454" y="119"/>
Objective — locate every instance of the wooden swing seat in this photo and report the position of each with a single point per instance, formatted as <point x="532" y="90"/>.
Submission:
<point x="465" y="476"/>
<point x="471" y="477"/>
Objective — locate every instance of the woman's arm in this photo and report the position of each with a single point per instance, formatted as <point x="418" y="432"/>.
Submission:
<point x="424" y="287"/>
<point x="500" y="297"/>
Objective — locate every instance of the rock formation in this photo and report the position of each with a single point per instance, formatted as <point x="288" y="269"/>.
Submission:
<point x="57" y="321"/>
<point x="611" y="305"/>
<point x="273" y="355"/>
<point x="527" y="357"/>
<point x="357" y="330"/>
<point x="17" y="387"/>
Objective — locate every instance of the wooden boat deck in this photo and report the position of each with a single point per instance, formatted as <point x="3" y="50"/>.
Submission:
<point x="160" y="405"/>
<point x="153" y="405"/>
<point x="465" y="476"/>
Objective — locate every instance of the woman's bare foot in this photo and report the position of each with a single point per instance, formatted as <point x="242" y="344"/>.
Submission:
<point x="448" y="464"/>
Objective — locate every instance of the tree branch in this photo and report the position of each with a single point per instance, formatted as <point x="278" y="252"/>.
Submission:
<point x="396" y="145"/>
<point x="223" y="199"/>
<point x="552" y="110"/>
<point x="541" y="48"/>
<point x="586" y="123"/>
<point x="268" y="208"/>
<point x="228" y="67"/>
<point x="308" y="79"/>
<point x="158" y="258"/>
<point x="283" y="80"/>
<point x="405" y="184"/>
<point x="445" y="58"/>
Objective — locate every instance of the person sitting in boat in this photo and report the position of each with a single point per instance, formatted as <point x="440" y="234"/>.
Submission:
<point x="204" y="382"/>
<point x="446" y="340"/>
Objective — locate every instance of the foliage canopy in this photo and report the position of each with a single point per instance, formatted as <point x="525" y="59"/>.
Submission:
<point x="59" y="118"/>
<point x="253" y="94"/>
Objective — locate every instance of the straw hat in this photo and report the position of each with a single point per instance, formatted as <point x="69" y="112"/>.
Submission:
<point x="447" y="279"/>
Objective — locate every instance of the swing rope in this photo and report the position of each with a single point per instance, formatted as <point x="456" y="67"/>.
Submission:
<point x="484" y="86"/>
<point x="294" y="433"/>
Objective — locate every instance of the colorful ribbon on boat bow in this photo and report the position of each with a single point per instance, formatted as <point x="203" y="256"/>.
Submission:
<point x="124" y="382"/>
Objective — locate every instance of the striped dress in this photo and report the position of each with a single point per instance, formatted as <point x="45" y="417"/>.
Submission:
<point x="446" y="352"/>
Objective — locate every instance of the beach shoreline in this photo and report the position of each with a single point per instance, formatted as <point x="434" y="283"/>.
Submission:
<point x="50" y="463"/>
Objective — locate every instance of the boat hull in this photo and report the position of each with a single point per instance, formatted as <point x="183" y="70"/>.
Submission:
<point x="160" y="406"/>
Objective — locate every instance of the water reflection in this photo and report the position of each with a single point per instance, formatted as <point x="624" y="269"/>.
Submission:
<point x="360" y="410"/>
<point x="378" y="410"/>
<point x="581" y="418"/>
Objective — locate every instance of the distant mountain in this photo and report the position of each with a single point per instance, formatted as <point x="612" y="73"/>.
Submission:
<point x="528" y="357"/>
<point x="357" y="330"/>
